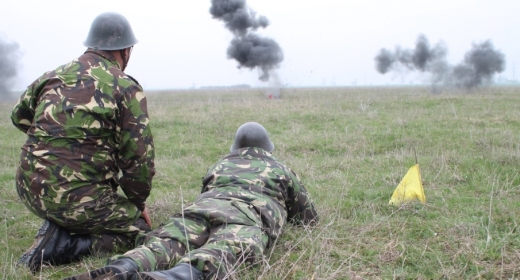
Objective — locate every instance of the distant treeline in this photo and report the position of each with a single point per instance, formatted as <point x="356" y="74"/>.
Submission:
<point x="242" y="86"/>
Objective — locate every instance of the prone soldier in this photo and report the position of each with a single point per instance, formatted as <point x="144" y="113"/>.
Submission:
<point x="246" y="199"/>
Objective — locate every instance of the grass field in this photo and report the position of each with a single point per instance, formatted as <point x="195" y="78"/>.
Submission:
<point x="351" y="147"/>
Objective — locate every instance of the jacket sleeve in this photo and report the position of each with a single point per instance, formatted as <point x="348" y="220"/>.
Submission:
<point x="22" y="115"/>
<point x="136" y="148"/>
<point x="300" y="207"/>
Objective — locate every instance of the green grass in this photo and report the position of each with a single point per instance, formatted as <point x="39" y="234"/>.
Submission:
<point x="351" y="147"/>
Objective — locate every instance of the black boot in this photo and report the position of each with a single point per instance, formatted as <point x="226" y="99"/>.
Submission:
<point x="55" y="245"/>
<point x="121" y="269"/>
<point x="182" y="271"/>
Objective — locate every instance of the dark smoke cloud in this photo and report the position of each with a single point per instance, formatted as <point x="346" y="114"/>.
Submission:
<point x="9" y="55"/>
<point x="253" y="51"/>
<point x="479" y="66"/>
<point x="423" y="58"/>
<point x="237" y="17"/>
<point x="384" y="61"/>
<point x="247" y="48"/>
<point x="477" y="69"/>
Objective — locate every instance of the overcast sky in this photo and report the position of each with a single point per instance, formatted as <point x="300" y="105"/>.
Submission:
<point x="325" y="42"/>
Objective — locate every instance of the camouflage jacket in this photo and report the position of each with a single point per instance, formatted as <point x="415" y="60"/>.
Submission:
<point x="254" y="176"/>
<point x="93" y="118"/>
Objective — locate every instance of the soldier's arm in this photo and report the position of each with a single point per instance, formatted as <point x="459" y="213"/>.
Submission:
<point x="300" y="207"/>
<point x="22" y="114"/>
<point x="136" y="150"/>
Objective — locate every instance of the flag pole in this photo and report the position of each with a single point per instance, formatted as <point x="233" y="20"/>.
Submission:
<point x="415" y="154"/>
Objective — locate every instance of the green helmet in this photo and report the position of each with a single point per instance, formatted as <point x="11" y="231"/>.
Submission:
<point x="252" y="134"/>
<point x="110" y="31"/>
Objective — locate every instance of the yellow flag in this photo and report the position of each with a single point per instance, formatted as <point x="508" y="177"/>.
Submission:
<point x="410" y="188"/>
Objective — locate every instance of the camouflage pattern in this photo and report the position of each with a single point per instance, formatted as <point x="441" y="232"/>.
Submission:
<point x="86" y="122"/>
<point x="247" y="197"/>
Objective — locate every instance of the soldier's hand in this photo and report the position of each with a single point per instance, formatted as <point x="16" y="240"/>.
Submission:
<point x="146" y="217"/>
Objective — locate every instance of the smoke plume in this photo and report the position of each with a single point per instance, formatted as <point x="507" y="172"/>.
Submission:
<point x="478" y="67"/>
<point x="9" y="55"/>
<point x="247" y="48"/>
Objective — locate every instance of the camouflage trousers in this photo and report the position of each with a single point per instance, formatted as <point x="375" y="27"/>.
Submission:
<point x="112" y="221"/>
<point x="214" y="235"/>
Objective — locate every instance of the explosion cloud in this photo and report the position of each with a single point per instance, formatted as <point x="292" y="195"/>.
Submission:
<point x="9" y="55"/>
<point x="247" y="48"/>
<point x="236" y="16"/>
<point x="479" y="66"/>
<point x="477" y="69"/>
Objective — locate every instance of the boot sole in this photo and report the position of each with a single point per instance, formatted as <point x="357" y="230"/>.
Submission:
<point x="26" y="258"/>
<point x="151" y="276"/>
<point x="32" y="258"/>
<point x="108" y="272"/>
<point x="82" y="276"/>
<point x="43" y="229"/>
<point x="103" y="273"/>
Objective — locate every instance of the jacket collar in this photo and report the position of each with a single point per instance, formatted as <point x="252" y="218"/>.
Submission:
<point x="105" y="54"/>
